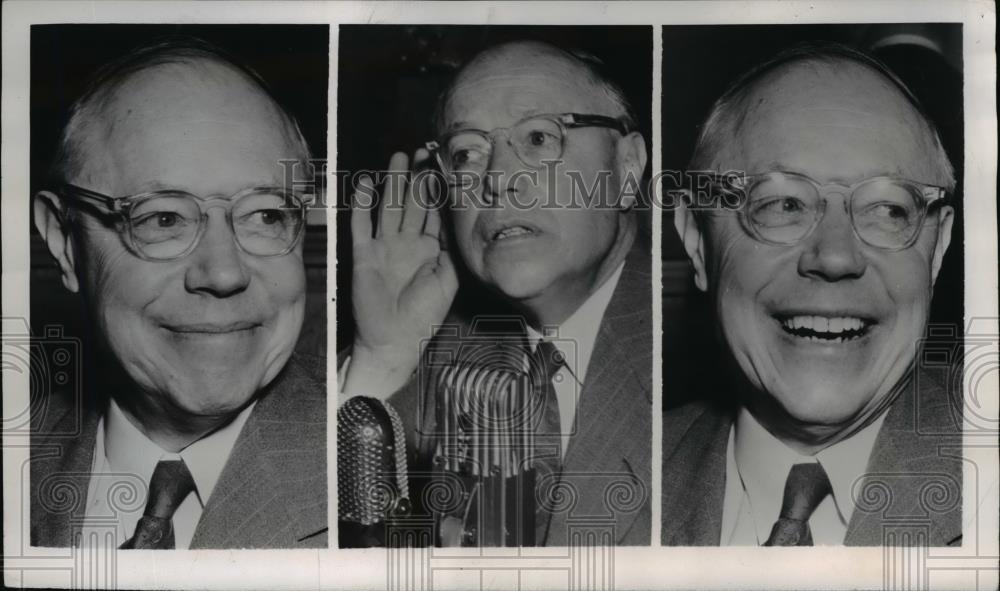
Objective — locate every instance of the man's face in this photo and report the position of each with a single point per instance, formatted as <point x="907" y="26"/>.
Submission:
<point x="200" y="334"/>
<point x="507" y="238"/>
<point x="834" y="128"/>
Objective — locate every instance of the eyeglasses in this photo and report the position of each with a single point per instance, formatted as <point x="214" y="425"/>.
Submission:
<point x="783" y="208"/>
<point x="535" y="139"/>
<point x="167" y="225"/>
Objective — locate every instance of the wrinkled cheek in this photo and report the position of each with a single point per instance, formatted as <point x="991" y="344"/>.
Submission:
<point x="737" y="311"/>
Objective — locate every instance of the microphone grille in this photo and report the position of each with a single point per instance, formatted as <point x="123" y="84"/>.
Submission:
<point x="371" y="460"/>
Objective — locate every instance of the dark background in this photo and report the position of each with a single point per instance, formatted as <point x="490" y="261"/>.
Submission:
<point x="390" y="77"/>
<point x="699" y="62"/>
<point x="292" y="59"/>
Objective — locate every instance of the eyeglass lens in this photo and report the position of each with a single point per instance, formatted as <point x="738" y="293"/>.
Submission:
<point x="533" y="140"/>
<point x="167" y="225"/>
<point x="885" y="213"/>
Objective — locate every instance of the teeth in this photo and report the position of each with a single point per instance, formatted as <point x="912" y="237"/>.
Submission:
<point x="823" y="324"/>
<point x="511" y="232"/>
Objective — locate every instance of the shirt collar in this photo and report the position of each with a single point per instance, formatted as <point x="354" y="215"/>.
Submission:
<point x="763" y="463"/>
<point x="576" y="336"/>
<point x="129" y="451"/>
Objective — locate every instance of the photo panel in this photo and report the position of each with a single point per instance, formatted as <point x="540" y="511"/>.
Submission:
<point x="494" y="311"/>
<point x="815" y="253"/>
<point x="178" y="286"/>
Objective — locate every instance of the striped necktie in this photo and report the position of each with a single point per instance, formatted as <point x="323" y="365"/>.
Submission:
<point x="544" y="364"/>
<point x="171" y="483"/>
<point x="806" y="487"/>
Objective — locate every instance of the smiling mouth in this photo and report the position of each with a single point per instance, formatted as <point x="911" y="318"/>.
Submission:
<point x="512" y="232"/>
<point x="826" y="329"/>
<point x="211" y="329"/>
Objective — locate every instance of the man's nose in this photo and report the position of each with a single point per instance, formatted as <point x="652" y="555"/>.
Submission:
<point x="832" y="252"/>
<point x="216" y="265"/>
<point x="501" y="172"/>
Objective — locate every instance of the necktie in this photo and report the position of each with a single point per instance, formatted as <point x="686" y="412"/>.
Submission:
<point x="544" y="363"/>
<point x="171" y="482"/>
<point x="806" y="487"/>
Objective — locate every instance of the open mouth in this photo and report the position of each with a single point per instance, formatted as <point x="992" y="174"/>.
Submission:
<point x="511" y="232"/>
<point x="828" y="329"/>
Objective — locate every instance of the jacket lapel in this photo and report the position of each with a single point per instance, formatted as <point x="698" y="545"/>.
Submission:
<point x="272" y="491"/>
<point x="62" y="456"/>
<point x="695" y="439"/>
<point x="607" y="463"/>
<point x="912" y="490"/>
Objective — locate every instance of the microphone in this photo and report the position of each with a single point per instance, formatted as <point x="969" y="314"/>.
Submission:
<point x="372" y="481"/>
<point x="487" y="415"/>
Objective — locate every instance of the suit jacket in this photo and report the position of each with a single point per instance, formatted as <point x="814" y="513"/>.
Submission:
<point x="911" y="492"/>
<point x="606" y="471"/>
<point x="270" y="494"/>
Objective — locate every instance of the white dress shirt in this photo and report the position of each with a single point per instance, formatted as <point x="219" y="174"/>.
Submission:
<point x="757" y="465"/>
<point x="124" y="460"/>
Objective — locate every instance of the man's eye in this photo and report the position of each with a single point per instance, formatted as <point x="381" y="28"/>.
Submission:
<point x="465" y="156"/>
<point x="160" y="220"/>
<point x="540" y="139"/>
<point x="268" y="217"/>
<point x="780" y="205"/>
<point x="892" y="211"/>
<point x="778" y="211"/>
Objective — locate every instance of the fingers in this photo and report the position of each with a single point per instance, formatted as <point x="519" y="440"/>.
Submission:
<point x="432" y="224"/>
<point x="391" y="208"/>
<point x="417" y="203"/>
<point x="361" y="219"/>
<point x="420" y="157"/>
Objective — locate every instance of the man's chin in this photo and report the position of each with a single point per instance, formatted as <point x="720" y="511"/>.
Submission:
<point x="519" y="284"/>
<point x="212" y="398"/>
<point x="824" y="404"/>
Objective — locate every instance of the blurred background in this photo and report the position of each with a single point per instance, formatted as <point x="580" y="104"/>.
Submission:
<point x="292" y="59"/>
<point x="699" y="63"/>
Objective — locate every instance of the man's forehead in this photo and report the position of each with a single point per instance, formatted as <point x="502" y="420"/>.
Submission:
<point x="186" y="94"/>
<point x="523" y="80"/>
<point x="168" y="125"/>
<point x="842" y="122"/>
<point x="173" y="86"/>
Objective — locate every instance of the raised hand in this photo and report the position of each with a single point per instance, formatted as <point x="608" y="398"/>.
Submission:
<point x="403" y="280"/>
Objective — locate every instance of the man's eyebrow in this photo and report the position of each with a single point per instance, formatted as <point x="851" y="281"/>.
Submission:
<point x="518" y="116"/>
<point x="776" y="165"/>
<point x="460" y="125"/>
<point x="155" y="185"/>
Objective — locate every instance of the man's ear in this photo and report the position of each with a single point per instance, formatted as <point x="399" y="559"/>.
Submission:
<point x="693" y="239"/>
<point x="946" y="218"/>
<point x="630" y="160"/>
<point x="54" y="229"/>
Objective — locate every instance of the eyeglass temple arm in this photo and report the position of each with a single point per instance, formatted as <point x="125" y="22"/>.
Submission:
<point x="579" y="119"/>
<point x="92" y="197"/>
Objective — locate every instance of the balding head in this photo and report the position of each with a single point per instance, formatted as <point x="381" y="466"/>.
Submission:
<point x="577" y="71"/>
<point x="810" y="92"/>
<point x="169" y="84"/>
